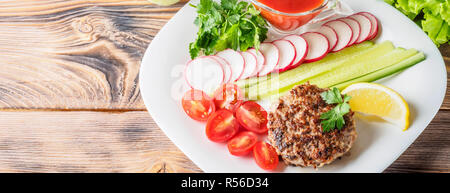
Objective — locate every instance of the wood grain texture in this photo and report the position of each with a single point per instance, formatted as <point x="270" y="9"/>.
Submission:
<point x="430" y="152"/>
<point x="75" y="54"/>
<point x="131" y="142"/>
<point x="86" y="142"/>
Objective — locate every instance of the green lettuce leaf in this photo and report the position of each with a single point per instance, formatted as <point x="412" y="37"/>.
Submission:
<point x="416" y="6"/>
<point x="432" y="25"/>
<point x="445" y="11"/>
<point x="433" y="6"/>
<point x="433" y="16"/>
<point x="443" y="37"/>
<point x="227" y="24"/>
<point x="390" y="2"/>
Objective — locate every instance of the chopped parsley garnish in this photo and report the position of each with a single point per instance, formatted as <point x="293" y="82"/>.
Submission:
<point x="334" y="118"/>
<point x="231" y="24"/>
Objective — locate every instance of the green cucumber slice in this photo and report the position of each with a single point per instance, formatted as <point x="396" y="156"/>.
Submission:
<point x="379" y="74"/>
<point x="411" y="61"/>
<point x="305" y="72"/>
<point x="347" y="52"/>
<point x="351" y="71"/>
<point x="330" y="61"/>
<point x="251" y="81"/>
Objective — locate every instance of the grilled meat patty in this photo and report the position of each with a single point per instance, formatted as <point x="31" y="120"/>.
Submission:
<point x="297" y="135"/>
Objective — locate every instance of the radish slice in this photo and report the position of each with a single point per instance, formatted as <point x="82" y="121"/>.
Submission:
<point x="344" y="33"/>
<point x="272" y="56"/>
<point x="287" y="54"/>
<point x="374" y="22"/>
<point x="356" y="28"/>
<point x="330" y="34"/>
<point x="236" y="62"/>
<point x="250" y="64"/>
<point x="226" y="68"/>
<point x="204" y="73"/>
<point x="366" y="26"/>
<point x="301" y="49"/>
<point x="259" y="59"/>
<point x="318" y="46"/>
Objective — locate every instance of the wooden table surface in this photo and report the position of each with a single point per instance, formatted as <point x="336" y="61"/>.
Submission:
<point x="70" y="100"/>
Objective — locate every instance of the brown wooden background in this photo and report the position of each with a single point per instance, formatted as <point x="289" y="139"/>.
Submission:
<point x="70" y="100"/>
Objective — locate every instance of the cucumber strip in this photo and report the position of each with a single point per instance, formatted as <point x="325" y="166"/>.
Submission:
<point x="345" y="53"/>
<point x="411" y="61"/>
<point x="332" y="58"/>
<point x="355" y="70"/>
<point x="274" y="82"/>
<point x="379" y="74"/>
<point x="251" y="81"/>
<point x="302" y="73"/>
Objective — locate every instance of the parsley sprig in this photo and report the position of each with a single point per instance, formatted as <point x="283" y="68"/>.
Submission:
<point x="231" y="24"/>
<point x="334" y="117"/>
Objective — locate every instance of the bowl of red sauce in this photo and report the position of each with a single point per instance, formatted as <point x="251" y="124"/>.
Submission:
<point x="289" y="15"/>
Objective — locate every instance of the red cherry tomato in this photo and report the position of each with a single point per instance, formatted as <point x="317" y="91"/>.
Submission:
<point x="198" y="105"/>
<point x="252" y="117"/>
<point x="228" y="96"/>
<point x="242" y="143"/>
<point x="265" y="156"/>
<point x="221" y="126"/>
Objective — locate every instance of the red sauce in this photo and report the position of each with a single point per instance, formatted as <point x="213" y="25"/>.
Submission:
<point x="292" y="6"/>
<point x="285" y="22"/>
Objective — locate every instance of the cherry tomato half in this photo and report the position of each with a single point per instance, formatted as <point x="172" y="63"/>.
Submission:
<point x="228" y="96"/>
<point x="242" y="143"/>
<point x="198" y="105"/>
<point x="252" y="117"/>
<point x="221" y="126"/>
<point x="265" y="156"/>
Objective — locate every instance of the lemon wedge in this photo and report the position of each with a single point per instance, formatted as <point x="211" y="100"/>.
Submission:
<point x="164" y="2"/>
<point x="376" y="99"/>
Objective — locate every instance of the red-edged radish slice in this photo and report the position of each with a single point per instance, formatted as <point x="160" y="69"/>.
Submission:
<point x="250" y="65"/>
<point x="259" y="58"/>
<point x="356" y="28"/>
<point x="344" y="33"/>
<point x="287" y="54"/>
<point x="366" y="26"/>
<point x="236" y="62"/>
<point x="272" y="56"/>
<point x="301" y="49"/>
<point x="204" y="73"/>
<point x="226" y="68"/>
<point x="318" y="46"/>
<point x="374" y="22"/>
<point x="331" y="35"/>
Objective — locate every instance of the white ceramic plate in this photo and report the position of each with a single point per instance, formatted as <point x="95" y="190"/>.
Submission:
<point x="378" y="144"/>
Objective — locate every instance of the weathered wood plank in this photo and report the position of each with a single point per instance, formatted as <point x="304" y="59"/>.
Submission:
<point x="32" y="7"/>
<point x="86" y="142"/>
<point x="131" y="142"/>
<point x="75" y="54"/>
<point x="430" y="152"/>
<point x="79" y="54"/>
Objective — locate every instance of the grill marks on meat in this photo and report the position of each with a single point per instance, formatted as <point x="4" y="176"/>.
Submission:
<point x="296" y="133"/>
